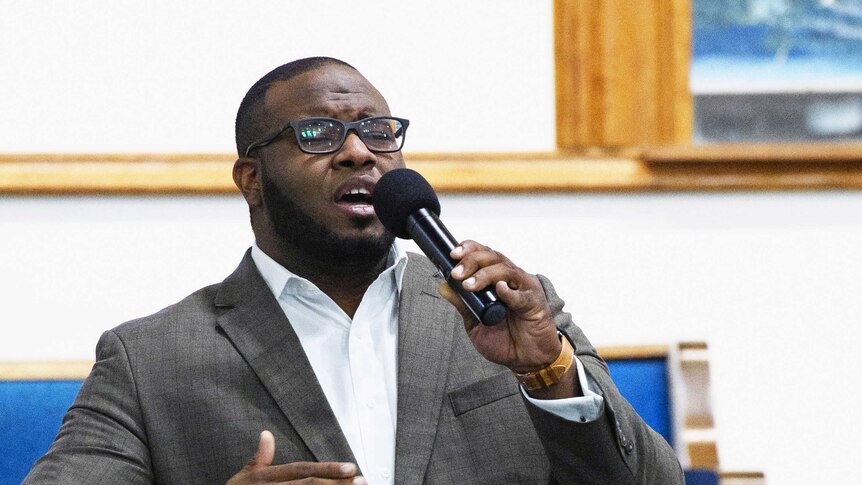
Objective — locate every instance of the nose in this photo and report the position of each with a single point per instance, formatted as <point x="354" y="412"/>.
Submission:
<point x="354" y="153"/>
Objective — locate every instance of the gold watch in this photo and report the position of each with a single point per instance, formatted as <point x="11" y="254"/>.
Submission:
<point x="550" y="375"/>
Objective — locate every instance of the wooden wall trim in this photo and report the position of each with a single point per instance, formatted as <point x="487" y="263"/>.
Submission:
<point x="753" y="168"/>
<point x="51" y="370"/>
<point x="807" y="153"/>
<point x="637" y="352"/>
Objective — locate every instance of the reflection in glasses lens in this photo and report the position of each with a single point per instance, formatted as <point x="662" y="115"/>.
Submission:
<point x="381" y="134"/>
<point x="318" y="135"/>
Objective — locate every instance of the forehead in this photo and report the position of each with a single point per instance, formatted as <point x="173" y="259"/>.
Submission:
<point x="333" y="91"/>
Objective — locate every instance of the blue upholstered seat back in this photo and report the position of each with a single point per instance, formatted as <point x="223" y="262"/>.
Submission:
<point x="644" y="383"/>
<point x="30" y="415"/>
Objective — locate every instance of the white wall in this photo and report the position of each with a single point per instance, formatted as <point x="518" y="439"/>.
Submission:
<point x="770" y="281"/>
<point x="127" y="75"/>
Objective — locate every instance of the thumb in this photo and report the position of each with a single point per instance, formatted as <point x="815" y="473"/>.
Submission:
<point x="449" y="295"/>
<point x="265" y="451"/>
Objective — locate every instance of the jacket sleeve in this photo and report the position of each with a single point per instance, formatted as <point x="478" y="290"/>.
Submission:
<point x="618" y="447"/>
<point x="102" y="439"/>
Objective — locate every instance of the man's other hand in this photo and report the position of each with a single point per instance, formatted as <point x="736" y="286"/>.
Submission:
<point x="261" y="470"/>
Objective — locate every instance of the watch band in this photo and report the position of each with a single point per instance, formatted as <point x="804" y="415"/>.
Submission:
<point x="550" y="375"/>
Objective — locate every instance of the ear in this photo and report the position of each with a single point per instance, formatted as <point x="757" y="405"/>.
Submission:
<point x="246" y="176"/>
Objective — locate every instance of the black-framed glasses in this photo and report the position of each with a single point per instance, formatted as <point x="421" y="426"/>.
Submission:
<point x="381" y="134"/>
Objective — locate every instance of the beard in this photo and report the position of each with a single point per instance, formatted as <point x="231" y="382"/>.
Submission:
<point x="296" y="227"/>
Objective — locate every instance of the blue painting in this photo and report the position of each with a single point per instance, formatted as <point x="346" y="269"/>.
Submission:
<point x="777" y="44"/>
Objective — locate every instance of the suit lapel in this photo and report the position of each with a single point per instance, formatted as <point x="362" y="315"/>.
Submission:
<point x="424" y="345"/>
<point x="256" y="325"/>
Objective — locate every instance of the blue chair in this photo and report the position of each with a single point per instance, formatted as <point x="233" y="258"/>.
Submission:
<point x="643" y="374"/>
<point x="643" y="380"/>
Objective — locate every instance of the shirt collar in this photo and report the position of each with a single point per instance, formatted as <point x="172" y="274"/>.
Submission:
<point x="277" y="277"/>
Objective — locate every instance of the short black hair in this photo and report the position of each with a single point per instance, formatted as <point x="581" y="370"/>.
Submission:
<point x="250" y="123"/>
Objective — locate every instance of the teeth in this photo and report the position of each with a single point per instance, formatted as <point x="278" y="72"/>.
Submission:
<point x="359" y="191"/>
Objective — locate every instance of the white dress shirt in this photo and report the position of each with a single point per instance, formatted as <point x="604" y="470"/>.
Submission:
<point x="355" y="361"/>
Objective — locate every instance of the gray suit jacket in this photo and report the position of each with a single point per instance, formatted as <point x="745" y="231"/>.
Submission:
<point x="181" y="396"/>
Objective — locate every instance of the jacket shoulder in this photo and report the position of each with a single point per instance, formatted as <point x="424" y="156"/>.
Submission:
<point x="195" y="309"/>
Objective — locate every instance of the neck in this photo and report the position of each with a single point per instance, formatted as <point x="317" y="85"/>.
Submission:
<point x="345" y="282"/>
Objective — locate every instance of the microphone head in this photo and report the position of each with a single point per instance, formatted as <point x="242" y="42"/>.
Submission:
<point x="398" y="194"/>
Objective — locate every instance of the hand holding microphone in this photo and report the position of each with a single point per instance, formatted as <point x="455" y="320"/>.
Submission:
<point x="407" y="206"/>
<point x="519" y="330"/>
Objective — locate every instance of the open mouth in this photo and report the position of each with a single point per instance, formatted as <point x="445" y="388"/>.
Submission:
<point x="356" y="196"/>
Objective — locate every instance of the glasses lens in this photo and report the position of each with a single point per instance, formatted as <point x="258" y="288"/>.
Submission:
<point x="319" y="136"/>
<point x="382" y="134"/>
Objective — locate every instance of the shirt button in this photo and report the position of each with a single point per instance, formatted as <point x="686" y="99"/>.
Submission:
<point x="371" y="403"/>
<point x="385" y="474"/>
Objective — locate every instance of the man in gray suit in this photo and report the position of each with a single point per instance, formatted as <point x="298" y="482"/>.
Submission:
<point x="336" y="354"/>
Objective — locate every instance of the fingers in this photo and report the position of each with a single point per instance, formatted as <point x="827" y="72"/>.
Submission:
<point x="261" y="470"/>
<point x="262" y="457"/>
<point x="265" y="450"/>
<point x="337" y="472"/>
<point x="518" y="301"/>
<point x="480" y="266"/>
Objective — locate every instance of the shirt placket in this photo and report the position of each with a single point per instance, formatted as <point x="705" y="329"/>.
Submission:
<point x="372" y="403"/>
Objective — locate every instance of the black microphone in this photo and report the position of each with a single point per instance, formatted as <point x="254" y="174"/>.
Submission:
<point x="406" y="205"/>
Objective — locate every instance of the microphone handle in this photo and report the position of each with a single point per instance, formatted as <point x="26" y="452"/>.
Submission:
<point x="436" y="242"/>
